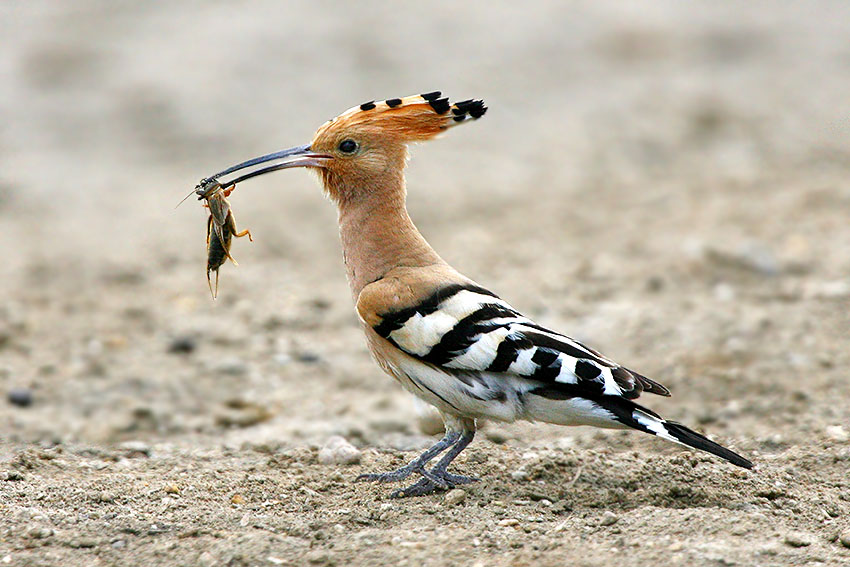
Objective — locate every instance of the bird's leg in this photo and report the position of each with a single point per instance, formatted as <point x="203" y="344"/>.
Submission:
<point x="439" y="470"/>
<point x="438" y="478"/>
<point x="416" y="465"/>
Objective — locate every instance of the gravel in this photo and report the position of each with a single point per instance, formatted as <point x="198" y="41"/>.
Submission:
<point x="338" y="451"/>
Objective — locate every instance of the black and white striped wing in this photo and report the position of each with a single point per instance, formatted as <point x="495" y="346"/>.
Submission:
<point x="468" y="328"/>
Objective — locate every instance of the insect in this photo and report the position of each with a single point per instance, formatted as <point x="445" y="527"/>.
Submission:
<point x="221" y="227"/>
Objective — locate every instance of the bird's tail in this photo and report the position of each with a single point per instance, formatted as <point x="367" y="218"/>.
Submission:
<point x="643" y="419"/>
<point x="691" y="438"/>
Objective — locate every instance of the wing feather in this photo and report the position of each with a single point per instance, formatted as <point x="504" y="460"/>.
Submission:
<point x="467" y="328"/>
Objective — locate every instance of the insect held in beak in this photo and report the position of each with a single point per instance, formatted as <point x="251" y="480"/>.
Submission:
<point x="221" y="227"/>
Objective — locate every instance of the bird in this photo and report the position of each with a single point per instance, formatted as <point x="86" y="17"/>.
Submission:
<point x="446" y="339"/>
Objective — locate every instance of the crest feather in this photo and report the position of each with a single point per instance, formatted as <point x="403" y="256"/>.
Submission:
<point x="412" y="118"/>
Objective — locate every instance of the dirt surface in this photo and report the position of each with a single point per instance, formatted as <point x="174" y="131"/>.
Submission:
<point x="666" y="182"/>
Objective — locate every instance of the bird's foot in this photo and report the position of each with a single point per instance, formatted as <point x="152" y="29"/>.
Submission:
<point x="420" y="488"/>
<point x="437" y="478"/>
<point x="393" y="476"/>
<point x="457" y="479"/>
<point x="433" y="481"/>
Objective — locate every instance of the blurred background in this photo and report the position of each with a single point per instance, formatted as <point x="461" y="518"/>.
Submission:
<point x="665" y="181"/>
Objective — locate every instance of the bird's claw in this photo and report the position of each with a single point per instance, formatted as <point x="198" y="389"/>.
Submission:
<point x="391" y="476"/>
<point x="431" y="481"/>
<point x="420" y="488"/>
<point x="401" y="474"/>
<point x="434" y="479"/>
<point x="457" y="479"/>
<point x="379" y="477"/>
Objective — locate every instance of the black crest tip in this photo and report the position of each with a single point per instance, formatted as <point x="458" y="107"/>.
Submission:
<point x="477" y="109"/>
<point x="368" y="105"/>
<point x="431" y="96"/>
<point x="393" y="102"/>
<point x="440" y="105"/>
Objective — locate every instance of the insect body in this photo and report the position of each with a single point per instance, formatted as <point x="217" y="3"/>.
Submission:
<point x="221" y="227"/>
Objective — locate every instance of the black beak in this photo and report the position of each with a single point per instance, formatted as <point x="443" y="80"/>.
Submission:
<point x="299" y="156"/>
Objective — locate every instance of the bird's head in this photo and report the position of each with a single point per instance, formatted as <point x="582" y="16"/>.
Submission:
<point x="364" y="146"/>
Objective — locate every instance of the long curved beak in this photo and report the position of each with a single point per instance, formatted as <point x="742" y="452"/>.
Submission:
<point x="299" y="156"/>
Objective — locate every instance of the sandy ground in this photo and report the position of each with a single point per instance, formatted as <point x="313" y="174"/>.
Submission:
<point x="667" y="182"/>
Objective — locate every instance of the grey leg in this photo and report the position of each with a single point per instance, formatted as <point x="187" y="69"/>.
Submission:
<point x="416" y="465"/>
<point x="438" y="478"/>
<point x="439" y="469"/>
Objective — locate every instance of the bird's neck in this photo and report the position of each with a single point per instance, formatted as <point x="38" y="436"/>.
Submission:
<point x="377" y="234"/>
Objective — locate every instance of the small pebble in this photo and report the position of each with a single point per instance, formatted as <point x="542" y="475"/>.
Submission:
<point x="20" y="397"/>
<point x="798" y="539"/>
<point x="338" y="451"/>
<point x="837" y="433"/>
<point x="520" y="474"/>
<point x="11" y="475"/>
<point x="182" y="345"/>
<point x="241" y="413"/>
<point x="237" y="499"/>
<point x="454" y="497"/>
<point x="509" y="522"/>
<point x="281" y="358"/>
<point x="608" y="519"/>
<point x="308" y="357"/>
<point x="171" y="489"/>
<point x="136" y="447"/>
<point x="835" y="289"/>
<point x="119" y="544"/>
<point x="232" y="366"/>
<point x="318" y="557"/>
<point x="206" y="559"/>
<point x="497" y="436"/>
<point x="754" y="257"/>
<point x="40" y="533"/>
<point x="844" y="538"/>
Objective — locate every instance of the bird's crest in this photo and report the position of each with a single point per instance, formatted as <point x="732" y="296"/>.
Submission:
<point x="412" y="118"/>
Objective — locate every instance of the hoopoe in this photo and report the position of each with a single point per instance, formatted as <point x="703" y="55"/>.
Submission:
<point x="446" y="339"/>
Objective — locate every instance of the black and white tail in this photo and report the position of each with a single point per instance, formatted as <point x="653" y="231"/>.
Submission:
<point x="643" y="419"/>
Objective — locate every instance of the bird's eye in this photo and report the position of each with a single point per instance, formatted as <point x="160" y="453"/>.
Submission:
<point x="348" y="146"/>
